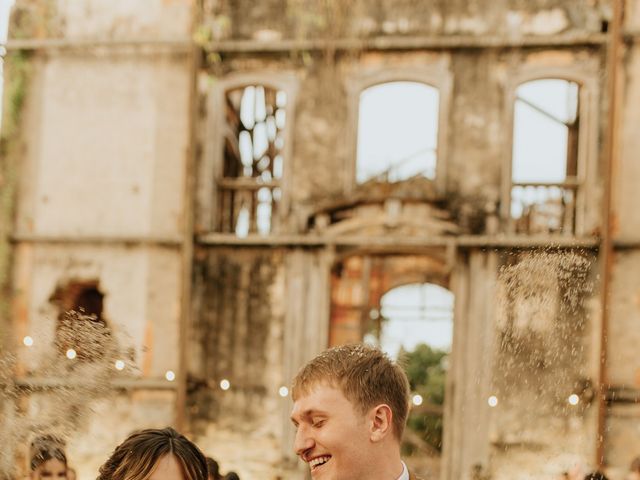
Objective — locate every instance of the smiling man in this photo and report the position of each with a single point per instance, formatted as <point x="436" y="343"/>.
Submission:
<point x="350" y="408"/>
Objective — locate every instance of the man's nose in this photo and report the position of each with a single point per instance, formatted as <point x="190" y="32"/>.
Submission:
<point x="303" y="441"/>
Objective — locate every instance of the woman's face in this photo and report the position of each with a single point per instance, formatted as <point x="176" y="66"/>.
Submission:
<point x="167" y="468"/>
<point x="52" y="469"/>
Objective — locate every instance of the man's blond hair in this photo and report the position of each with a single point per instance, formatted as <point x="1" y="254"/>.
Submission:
<point x="366" y="376"/>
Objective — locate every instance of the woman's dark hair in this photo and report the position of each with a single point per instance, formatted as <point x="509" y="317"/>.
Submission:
<point x="138" y="455"/>
<point x="45" y="448"/>
<point x="213" y="468"/>
<point x="596" y="476"/>
<point x="231" y="476"/>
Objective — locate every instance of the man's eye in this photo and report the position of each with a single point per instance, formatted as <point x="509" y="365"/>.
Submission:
<point x="318" y="423"/>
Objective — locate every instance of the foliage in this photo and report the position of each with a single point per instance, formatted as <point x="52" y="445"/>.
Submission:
<point x="16" y="68"/>
<point x="426" y="369"/>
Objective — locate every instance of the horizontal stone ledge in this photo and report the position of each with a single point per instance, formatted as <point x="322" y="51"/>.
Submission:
<point x="409" y="43"/>
<point x="388" y="42"/>
<point x="182" y="43"/>
<point x="615" y="394"/>
<point x="40" y="384"/>
<point x="128" y="241"/>
<point x="462" y="241"/>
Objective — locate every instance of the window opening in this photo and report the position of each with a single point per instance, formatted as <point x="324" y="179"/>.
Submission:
<point x="250" y="191"/>
<point x="545" y="157"/>
<point x="397" y="132"/>
<point x="79" y="301"/>
<point x="415" y="323"/>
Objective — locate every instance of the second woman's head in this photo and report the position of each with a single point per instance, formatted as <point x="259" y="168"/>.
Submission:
<point x="155" y="454"/>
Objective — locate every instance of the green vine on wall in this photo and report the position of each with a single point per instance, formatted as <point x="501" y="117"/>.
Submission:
<point x="17" y="71"/>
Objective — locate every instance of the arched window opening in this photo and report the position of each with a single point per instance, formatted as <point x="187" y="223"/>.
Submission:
<point x="413" y="314"/>
<point x="415" y="322"/>
<point x="397" y="132"/>
<point x="544" y="177"/>
<point x="250" y="190"/>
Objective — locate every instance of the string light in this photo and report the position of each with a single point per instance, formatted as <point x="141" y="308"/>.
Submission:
<point x="71" y="354"/>
<point x="170" y="375"/>
<point x="573" y="399"/>
<point x="119" y="365"/>
<point x="283" y="391"/>
<point x="28" y="341"/>
<point x="417" y="400"/>
<point x="492" y="401"/>
<point x="225" y="384"/>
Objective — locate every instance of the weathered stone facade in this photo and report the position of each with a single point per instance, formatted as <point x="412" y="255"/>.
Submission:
<point x="126" y="179"/>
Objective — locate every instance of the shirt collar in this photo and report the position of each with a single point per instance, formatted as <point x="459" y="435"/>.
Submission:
<point x="405" y="473"/>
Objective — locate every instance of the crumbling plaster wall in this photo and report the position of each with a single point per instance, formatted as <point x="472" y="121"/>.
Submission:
<point x="623" y="365"/>
<point x="627" y="171"/>
<point x="126" y="18"/>
<point x="101" y="196"/>
<point x="547" y="350"/>
<point x="141" y="306"/>
<point x="627" y="167"/>
<point x="257" y="317"/>
<point x="80" y="150"/>
<point x="239" y="334"/>
<point x="305" y="18"/>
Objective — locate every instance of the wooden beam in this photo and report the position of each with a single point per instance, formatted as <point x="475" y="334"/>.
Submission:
<point x="398" y="241"/>
<point x="15" y="44"/>
<point x="615" y="394"/>
<point x="187" y="243"/>
<point x="387" y="42"/>
<point x="423" y="42"/>
<point x="605" y="253"/>
<point x="127" y="241"/>
<point x="38" y="383"/>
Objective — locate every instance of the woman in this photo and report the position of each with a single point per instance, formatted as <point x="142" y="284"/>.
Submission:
<point x="155" y="454"/>
<point x="48" y="460"/>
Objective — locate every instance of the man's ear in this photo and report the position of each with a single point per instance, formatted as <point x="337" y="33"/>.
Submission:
<point x="381" y="422"/>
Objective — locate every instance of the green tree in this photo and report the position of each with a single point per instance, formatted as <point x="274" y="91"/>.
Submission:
<point x="426" y="369"/>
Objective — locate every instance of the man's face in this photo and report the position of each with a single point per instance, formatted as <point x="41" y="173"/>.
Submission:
<point x="332" y="437"/>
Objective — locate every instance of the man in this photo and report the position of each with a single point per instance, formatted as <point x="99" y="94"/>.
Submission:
<point x="350" y="409"/>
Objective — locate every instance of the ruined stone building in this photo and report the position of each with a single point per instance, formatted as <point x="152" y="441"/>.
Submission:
<point x="198" y="176"/>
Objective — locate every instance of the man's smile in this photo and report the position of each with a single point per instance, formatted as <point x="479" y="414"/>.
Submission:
<point x="317" y="462"/>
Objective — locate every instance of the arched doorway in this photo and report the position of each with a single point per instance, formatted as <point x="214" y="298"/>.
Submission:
<point x="402" y="303"/>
